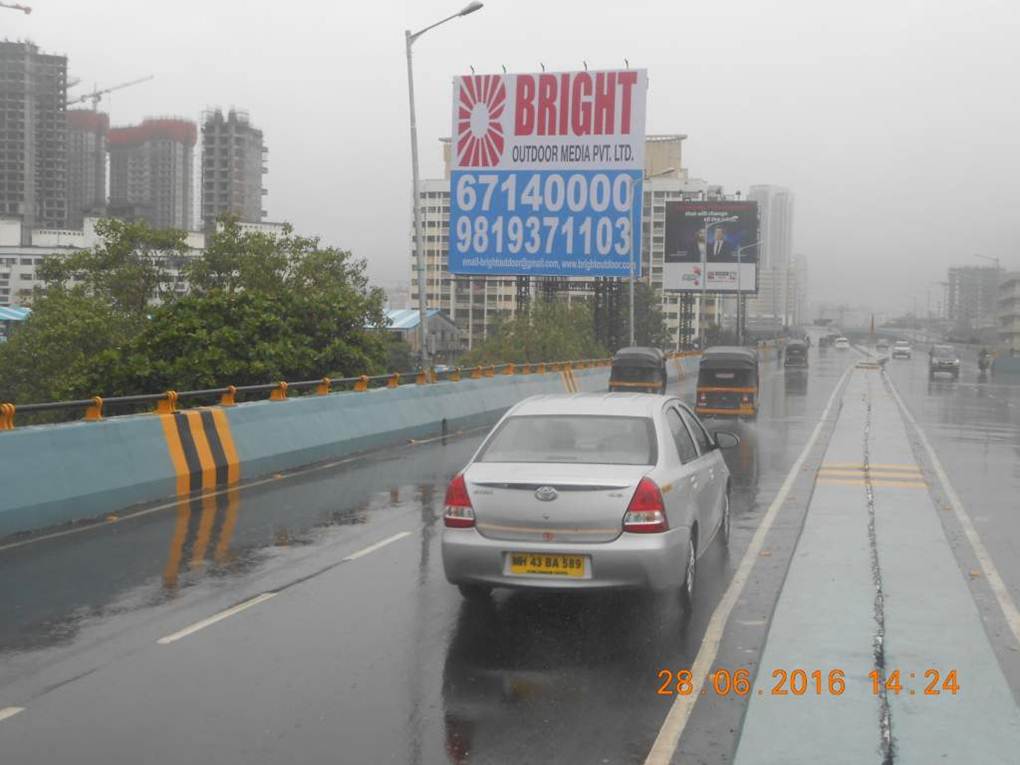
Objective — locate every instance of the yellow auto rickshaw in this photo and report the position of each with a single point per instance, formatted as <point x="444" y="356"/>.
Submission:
<point x="728" y="383"/>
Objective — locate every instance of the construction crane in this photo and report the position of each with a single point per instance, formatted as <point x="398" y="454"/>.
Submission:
<point x="96" y="95"/>
<point x="15" y="7"/>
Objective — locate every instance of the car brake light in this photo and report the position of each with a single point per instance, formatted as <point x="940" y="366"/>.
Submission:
<point x="646" y="511"/>
<point x="458" y="513"/>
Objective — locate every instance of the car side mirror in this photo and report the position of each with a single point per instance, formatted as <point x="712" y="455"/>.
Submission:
<point x="726" y="440"/>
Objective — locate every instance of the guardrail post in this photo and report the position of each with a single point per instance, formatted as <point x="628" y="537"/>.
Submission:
<point x="433" y="376"/>
<point x="541" y="369"/>
<point x="394" y="381"/>
<point x="228" y="397"/>
<point x="279" y="393"/>
<point x="7" y="416"/>
<point x="490" y="371"/>
<point x="324" y="387"/>
<point x="422" y="377"/>
<point x="168" y="404"/>
<point x="508" y="369"/>
<point x="362" y="384"/>
<point x="94" y="412"/>
<point x="476" y="373"/>
<point x="454" y="376"/>
<point x="525" y="369"/>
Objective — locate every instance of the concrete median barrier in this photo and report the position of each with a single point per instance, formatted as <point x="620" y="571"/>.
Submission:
<point x="52" y="475"/>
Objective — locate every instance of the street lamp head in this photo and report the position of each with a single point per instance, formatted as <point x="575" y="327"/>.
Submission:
<point x="470" y="8"/>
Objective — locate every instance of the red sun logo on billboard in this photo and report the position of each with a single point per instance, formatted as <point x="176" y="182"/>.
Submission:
<point x="480" y="106"/>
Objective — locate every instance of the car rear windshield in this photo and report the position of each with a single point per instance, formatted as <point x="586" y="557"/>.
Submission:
<point x="594" y="439"/>
<point x="945" y="352"/>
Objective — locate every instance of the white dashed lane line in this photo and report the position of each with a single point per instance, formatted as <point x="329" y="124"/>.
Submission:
<point x="8" y="712"/>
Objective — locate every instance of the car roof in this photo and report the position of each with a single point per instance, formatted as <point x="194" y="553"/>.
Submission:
<point x="902" y="342"/>
<point x="611" y="404"/>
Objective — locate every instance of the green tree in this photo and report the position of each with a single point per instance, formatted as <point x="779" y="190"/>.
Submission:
<point x="649" y="322"/>
<point x="548" y="331"/>
<point x="53" y="355"/>
<point x="245" y="338"/>
<point x="127" y="270"/>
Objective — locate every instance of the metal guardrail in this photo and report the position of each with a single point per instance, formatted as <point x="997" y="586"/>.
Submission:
<point x="97" y="407"/>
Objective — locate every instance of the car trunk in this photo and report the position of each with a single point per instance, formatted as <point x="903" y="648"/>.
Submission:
<point x="589" y="504"/>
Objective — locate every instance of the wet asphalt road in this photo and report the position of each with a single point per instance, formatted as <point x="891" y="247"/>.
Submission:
<point x="376" y="659"/>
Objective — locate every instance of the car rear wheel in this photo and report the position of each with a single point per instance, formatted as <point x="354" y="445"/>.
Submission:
<point x="690" y="575"/>
<point x="475" y="592"/>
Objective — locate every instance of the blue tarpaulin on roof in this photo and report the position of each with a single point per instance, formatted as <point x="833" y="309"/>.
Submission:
<point x="14" y="313"/>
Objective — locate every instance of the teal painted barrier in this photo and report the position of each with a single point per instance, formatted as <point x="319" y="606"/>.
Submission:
<point x="59" y="474"/>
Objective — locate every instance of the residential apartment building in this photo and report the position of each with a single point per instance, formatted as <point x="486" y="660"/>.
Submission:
<point x="86" y="165"/>
<point x="233" y="164"/>
<point x="971" y="296"/>
<point x="1009" y="313"/>
<point x="33" y="134"/>
<point x="775" y="213"/>
<point x="477" y="303"/>
<point x="151" y="172"/>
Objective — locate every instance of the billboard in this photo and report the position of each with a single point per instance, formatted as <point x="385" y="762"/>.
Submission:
<point x="731" y="232"/>
<point x="546" y="173"/>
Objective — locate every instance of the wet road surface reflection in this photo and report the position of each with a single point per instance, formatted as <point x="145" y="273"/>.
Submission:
<point x="523" y="676"/>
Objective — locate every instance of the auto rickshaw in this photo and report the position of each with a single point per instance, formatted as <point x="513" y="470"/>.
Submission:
<point x="728" y="383"/>
<point x="638" y="369"/>
<point x="796" y="355"/>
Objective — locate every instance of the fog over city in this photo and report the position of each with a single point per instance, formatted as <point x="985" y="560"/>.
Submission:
<point x="895" y="124"/>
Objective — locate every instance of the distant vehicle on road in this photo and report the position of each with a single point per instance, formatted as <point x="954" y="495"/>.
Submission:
<point x="943" y="359"/>
<point x="796" y="355"/>
<point x="901" y="350"/>
<point x="638" y="369"/>
<point x="588" y="491"/>
<point x="882" y="344"/>
<point x="841" y="344"/>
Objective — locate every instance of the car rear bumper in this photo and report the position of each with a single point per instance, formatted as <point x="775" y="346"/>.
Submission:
<point x="631" y="561"/>
<point x="900" y="355"/>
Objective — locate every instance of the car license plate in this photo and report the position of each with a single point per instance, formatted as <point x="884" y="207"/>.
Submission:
<point x="544" y="563"/>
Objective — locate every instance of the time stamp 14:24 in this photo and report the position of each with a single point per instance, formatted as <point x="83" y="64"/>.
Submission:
<point x="803" y="682"/>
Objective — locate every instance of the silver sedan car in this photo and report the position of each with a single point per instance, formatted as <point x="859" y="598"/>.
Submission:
<point x="588" y="491"/>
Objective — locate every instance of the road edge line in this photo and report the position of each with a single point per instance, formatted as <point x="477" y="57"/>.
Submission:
<point x="665" y="744"/>
<point x="995" y="582"/>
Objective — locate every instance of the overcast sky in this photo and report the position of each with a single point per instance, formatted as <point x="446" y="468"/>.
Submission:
<point x="896" y="123"/>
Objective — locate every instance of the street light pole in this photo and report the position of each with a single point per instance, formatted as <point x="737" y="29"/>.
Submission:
<point x="740" y="292"/>
<point x="419" y="255"/>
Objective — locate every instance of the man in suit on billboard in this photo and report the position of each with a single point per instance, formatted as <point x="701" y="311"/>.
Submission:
<point x="718" y="248"/>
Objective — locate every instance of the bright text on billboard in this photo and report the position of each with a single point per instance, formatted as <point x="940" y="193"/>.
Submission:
<point x="546" y="173"/>
<point x="711" y="246"/>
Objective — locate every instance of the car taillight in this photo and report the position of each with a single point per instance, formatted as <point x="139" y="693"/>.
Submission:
<point x="702" y="398"/>
<point x="646" y="513"/>
<point x="458" y="513"/>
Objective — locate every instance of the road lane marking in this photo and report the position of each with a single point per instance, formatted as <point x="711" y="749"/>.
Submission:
<point x="824" y="481"/>
<point x="995" y="582"/>
<point x="372" y="548"/>
<point x="216" y="618"/>
<point x="666" y="742"/>
<point x="8" y="712"/>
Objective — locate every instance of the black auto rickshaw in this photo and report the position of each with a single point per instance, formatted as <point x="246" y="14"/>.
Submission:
<point x="728" y="383"/>
<point x="796" y="355"/>
<point x="638" y="369"/>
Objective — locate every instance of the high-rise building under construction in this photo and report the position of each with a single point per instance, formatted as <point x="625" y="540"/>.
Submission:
<point x="151" y="172"/>
<point x="86" y="164"/>
<point x="233" y="163"/>
<point x="33" y="135"/>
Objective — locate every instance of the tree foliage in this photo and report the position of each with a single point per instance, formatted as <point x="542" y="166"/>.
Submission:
<point x="649" y="322"/>
<point x="261" y="307"/>
<point x="548" y="331"/>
